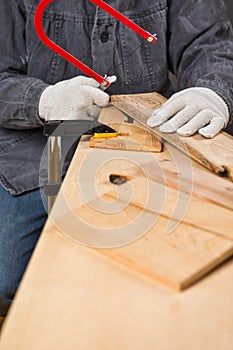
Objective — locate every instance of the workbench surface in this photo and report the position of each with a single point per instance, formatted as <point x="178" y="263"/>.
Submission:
<point x="75" y="297"/>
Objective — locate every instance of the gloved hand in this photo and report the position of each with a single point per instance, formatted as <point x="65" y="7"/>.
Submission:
<point x="192" y="110"/>
<point x="76" y="98"/>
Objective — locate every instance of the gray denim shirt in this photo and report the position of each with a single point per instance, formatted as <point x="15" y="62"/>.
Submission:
<point x="195" y="43"/>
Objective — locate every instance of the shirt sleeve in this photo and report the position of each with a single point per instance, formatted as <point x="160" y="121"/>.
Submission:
<point x="200" y="48"/>
<point x="19" y="93"/>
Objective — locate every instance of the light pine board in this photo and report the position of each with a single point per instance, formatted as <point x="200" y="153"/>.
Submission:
<point x="211" y="228"/>
<point x="73" y="298"/>
<point x="199" y="243"/>
<point x="215" y="154"/>
<point x="77" y="297"/>
<point x="218" y="191"/>
<point x="138" y="139"/>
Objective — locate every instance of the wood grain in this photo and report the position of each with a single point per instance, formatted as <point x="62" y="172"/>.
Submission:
<point x="73" y="297"/>
<point x="138" y="139"/>
<point x="218" y="190"/>
<point x="215" y="154"/>
<point x="200" y="239"/>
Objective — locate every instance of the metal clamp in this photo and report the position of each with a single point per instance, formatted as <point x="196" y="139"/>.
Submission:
<point x="54" y="130"/>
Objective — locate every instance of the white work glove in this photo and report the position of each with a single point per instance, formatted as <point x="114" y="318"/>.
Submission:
<point x="73" y="99"/>
<point x="192" y="110"/>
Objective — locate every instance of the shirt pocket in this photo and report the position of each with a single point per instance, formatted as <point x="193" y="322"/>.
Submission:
<point x="148" y="61"/>
<point x="43" y="63"/>
<point x="71" y="32"/>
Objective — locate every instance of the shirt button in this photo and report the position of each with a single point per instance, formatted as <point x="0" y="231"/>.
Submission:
<point x="104" y="37"/>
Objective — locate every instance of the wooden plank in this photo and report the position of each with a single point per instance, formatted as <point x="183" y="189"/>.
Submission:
<point x="200" y="182"/>
<point x="199" y="242"/>
<point x="94" y="167"/>
<point x="215" y="154"/>
<point x="131" y="137"/>
<point x="199" y="213"/>
<point x="73" y="298"/>
<point x="177" y="260"/>
<point x="76" y="297"/>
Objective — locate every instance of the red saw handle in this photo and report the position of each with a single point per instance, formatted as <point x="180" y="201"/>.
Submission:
<point x="104" y="83"/>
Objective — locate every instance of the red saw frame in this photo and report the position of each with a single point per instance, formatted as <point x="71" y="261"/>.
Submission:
<point x="104" y="83"/>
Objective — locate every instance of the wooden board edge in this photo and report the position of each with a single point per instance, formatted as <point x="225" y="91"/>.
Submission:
<point x="161" y="280"/>
<point x="117" y="101"/>
<point x="202" y="273"/>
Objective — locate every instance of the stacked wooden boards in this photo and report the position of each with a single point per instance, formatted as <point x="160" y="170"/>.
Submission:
<point x="215" y="154"/>
<point x="131" y="137"/>
<point x="194" y="206"/>
<point x="74" y="297"/>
